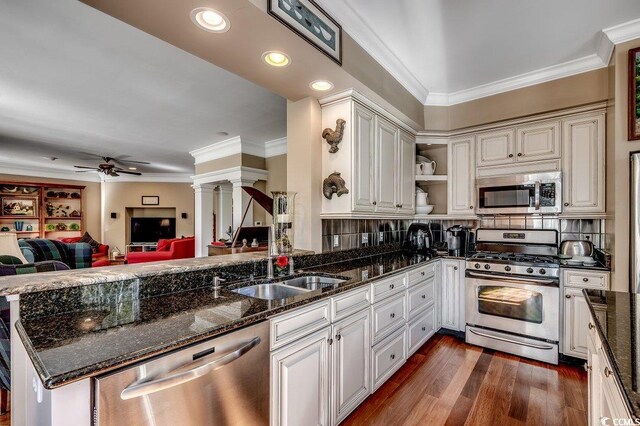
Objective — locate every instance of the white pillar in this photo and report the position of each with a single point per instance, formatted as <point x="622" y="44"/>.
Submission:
<point x="203" y="218"/>
<point x="224" y="218"/>
<point x="240" y="202"/>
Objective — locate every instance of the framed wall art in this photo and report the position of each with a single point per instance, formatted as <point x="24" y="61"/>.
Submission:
<point x="150" y="200"/>
<point x="312" y="23"/>
<point x="19" y="206"/>
<point x="634" y="95"/>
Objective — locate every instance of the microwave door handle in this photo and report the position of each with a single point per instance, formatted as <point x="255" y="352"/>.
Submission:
<point x="537" y="195"/>
<point x="183" y="375"/>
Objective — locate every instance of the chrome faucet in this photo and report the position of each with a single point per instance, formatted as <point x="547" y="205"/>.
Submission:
<point x="270" y="252"/>
<point x="216" y="285"/>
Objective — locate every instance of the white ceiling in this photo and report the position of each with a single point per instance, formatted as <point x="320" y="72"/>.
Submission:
<point x="457" y="50"/>
<point x="73" y="79"/>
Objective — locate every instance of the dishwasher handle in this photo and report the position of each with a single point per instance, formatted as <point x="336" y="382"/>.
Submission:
<point x="185" y="374"/>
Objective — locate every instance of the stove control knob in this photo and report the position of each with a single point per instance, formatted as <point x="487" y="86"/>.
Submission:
<point x="542" y="271"/>
<point x="530" y="270"/>
<point x="507" y="268"/>
<point x="487" y="266"/>
<point x="477" y="266"/>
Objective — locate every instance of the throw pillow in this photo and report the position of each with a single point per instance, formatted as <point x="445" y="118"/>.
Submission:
<point x="86" y="238"/>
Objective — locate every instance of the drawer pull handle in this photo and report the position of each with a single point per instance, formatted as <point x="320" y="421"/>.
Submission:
<point x="393" y="356"/>
<point x="424" y="328"/>
<point x="607" y="372"/>
<point x="338" y="337"/>
<point x="590" y="326"/>
<point x="585" y="279"/>
<point x="392" y="286"/>
<point x="424" y="296"/>
<point x="393" y="315"/>
<point x="422" y="273"/>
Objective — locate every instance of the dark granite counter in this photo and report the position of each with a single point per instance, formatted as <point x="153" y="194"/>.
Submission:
<point x="618" y="323"/>
<point x="95" y="329"/>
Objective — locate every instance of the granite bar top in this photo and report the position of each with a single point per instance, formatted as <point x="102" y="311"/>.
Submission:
<point x="618" y="323"/>
<point x="80" y="277"/>
<point x="100" y="337"/>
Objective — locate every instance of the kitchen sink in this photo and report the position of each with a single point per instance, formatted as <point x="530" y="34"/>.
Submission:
<point x="273" y="291"/>
<point x="313" y="282"/>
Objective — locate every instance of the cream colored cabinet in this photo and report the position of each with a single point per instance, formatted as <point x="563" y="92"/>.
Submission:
<point x="350" y="358"/>
<point x="538" y="141"/>
<point x="406" y="174"/>
<point x="386" y="161"/>
<point x="452" y="294"/>
<point x="461" y="176"/>
<point x="495" y="147"/>
<point x="363" y="152"/>
<point x="300" y="381"/>
<point x="583" y="160"/>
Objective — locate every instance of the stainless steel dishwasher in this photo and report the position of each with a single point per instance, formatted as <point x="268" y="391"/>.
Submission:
<point x="224" y="381"/>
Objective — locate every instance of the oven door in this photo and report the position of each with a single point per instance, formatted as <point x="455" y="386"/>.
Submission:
<point x="533" y="193"/>
<point x="524" y="306"/>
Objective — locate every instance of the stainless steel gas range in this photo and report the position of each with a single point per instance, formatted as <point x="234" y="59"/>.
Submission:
<point x="512" y="290"/>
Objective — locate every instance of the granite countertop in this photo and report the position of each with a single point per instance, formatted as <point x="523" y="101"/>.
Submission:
<point x="78" y="277"/>
<point x="99" y="338"/>
<point x="618" y="323"/>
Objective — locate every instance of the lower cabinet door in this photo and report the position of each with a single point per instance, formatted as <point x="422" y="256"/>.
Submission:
<point x="388" y="356"/>
<point x="300" y="381"/>
<point x="420" y="330"/>
<point x="351" y="352"/>
<point x="576" y="320"/>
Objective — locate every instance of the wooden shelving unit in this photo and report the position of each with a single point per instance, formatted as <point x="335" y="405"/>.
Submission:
<point x="38" y="191"/>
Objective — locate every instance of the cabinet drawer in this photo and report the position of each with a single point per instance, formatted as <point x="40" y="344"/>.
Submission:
<point x="420" y="330"/>
<point x="420" y="296"/>
<point x="418" y="275"/>
<point x="350" y="302"/>
<point x="387" y="316"/>
<point x="590" y="279"/>
<point x="388" y="356"/>
<point x="387" y="287"/>
<point x="294" y="325"/>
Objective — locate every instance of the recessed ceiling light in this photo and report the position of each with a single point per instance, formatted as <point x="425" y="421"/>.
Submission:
<point x="321" y="85"/>
<point x="276" y="59"/>
<point x="210" y="20"/>
<point x="133" y="168"/>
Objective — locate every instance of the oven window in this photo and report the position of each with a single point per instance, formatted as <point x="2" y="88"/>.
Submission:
<point x="510" y="302"/>
<point x="507" y="196"/>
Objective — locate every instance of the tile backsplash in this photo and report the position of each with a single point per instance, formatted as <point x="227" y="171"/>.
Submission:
<point x="343" y="234"/>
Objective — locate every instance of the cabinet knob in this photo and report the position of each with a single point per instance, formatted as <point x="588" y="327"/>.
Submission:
<point x="607" y="372"/>
<point x="392" y="286"/>
<point x="330" y="342"/>
<point x="424" y="328"/>
<point x="470" y="207"/>
<point x="510" y="155"/>
<point x="338" y="337"/>
<point x="393" y="356"/>
<point x="455" y="268"/>
<point x="568" y="296"/>
<point x="424" y="296"/>
<point x="422" y="273"/>
<point x="585" y="279"/>
<point x="374" y="203"/>
<point x="393" y="315"/>
<point x="566" y="204"/>
<point x="590" y="326"/>
<point x="519" y="154"/>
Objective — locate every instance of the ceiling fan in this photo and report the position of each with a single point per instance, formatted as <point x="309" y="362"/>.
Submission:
<point x="109" y="168"/>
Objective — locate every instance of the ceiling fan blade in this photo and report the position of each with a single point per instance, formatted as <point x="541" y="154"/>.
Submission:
<point x="130" y="161"/>
<point x="84" y="167"/>
<point x="130" y="173"/>
<point x="84" y="171"/>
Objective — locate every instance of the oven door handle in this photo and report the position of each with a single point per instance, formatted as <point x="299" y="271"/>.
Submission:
<point x="531" y="345"/>
<point x="537" y="195"/>
<point x="512" y="279"/>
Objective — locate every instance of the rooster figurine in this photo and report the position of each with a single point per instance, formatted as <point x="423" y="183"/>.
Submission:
<point x="333" y="137"/>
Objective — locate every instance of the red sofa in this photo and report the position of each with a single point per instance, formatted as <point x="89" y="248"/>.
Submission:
<point x="101" y="254"/>
<point x="176" y="248"/>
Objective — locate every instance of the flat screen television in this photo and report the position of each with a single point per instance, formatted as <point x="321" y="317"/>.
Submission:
<point x="151" y="229"/>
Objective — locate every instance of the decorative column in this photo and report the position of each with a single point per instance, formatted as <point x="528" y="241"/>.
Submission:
<point x="241" y="201"/>
<point x="203" y="218"/>
<point x="224" y="209"/>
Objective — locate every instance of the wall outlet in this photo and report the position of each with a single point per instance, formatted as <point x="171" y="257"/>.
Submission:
<point x="365" y="238"/>
<point x="336" y="240"/>
<point x="381" y="236"/>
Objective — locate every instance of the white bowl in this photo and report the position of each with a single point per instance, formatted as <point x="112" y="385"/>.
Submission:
<point x="424" y="209"/>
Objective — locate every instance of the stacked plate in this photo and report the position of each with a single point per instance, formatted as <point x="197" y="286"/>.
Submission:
<point x="580" y="261"/>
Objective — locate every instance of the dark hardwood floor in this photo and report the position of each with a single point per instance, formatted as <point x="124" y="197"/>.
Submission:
<point x="448" y="382"/>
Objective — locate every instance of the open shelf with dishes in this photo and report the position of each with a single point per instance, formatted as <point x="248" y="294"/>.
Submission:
<point x="431" y="178"/>
<point x="40" y="209"/>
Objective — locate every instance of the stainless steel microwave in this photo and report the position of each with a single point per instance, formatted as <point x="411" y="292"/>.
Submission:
<point x="531" y="193"/>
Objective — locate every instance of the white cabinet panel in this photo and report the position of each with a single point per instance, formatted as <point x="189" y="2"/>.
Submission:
<point x="420" y="330"/>
<point x="576" y="320"/>
<point x="583" y="164"/>
<point x="351" y="352"/>
<point x="387" y="316"/>
<point x="462" y="178"/>
<point x="363" y="152"/>
<point x="387" y="357"/>
<point x="496" y="147"/>
<point x="386" y="156"/>
<point x="451" y="295"/>
<point x="300" y="382"/>
<point x="538" y="141"/>
<point x="406" y="174"/>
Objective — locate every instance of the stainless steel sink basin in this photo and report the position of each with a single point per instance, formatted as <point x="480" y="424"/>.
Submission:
<point x="273" y="291"/>
<point x="312" y="282"/>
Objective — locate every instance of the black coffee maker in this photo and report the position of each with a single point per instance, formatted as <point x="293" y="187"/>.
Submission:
<point x="459" y="240"/>
<point x="419" y="238"/>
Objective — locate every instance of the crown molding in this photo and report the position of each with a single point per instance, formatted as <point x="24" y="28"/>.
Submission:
<point x="623" y="32"/>
<point x="231" y="174"/>
<point x="375" y="46"/>
<point x="275" y="147"/>
<point x="150" y="177"/>
<point x="11" y="169"/>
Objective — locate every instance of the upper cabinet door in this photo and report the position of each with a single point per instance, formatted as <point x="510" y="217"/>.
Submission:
<point x="363" y="153"/>
<point x="539" y="141"/>
<point x="583" y="164"/>
<point x="406" y="173"/>
<point x="462" y="176"/>
<point x="386" y="156"/>
<point x="494" y="148"/>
